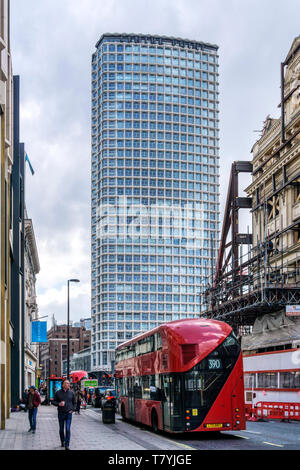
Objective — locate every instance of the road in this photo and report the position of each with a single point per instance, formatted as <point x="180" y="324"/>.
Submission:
<point x="88" y="432"/>
<point x="268" y="435"/>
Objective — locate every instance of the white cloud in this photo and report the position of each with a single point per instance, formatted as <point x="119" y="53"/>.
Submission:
<point x="52" y="42"/>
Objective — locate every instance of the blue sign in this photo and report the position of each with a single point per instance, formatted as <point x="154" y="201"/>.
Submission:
<point x="55" y="385"/>
<point x="39" y="332"/>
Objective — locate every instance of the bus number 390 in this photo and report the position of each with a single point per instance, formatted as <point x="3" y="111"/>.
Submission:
<point x="214" y="364"/>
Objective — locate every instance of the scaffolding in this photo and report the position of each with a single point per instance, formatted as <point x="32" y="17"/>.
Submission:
<point x="267" y="277"/>
<point x="264" y="279"/>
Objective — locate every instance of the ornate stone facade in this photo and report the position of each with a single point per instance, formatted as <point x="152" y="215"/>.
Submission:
<point x="275" y="187"/>
<point x="32" y="268"/>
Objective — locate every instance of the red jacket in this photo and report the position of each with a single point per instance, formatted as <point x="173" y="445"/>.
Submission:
<point x="36" y="399"/>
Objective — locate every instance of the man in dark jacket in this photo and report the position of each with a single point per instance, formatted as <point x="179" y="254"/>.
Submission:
<point x="33" y="402"/>
<point x="65" y="401"/>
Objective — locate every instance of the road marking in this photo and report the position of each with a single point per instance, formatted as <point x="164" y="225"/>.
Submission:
<point x="253" y="432"/>
<point x="243" y="437"/>
<point x="185" y="446"/>
<point x="175" y="442"/>
<point x="272" y="444"/>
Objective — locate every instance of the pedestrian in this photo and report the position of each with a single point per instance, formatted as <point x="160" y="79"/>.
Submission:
<point x="33" y="402"/>
<point x="65" y="401"/>
<point x="24" y="399"/>
<point x="78" y="395"/>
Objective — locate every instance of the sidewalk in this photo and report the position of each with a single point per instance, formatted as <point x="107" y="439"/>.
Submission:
<point x="87" y="433"/>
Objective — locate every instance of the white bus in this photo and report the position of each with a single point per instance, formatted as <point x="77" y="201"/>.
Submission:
<point x="273" y="376"/>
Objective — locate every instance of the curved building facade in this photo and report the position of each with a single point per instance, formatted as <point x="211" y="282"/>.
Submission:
<point x="155" y="184"/>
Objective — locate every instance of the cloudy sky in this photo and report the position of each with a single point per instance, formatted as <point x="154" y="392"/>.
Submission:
<point x="52" y="42"/>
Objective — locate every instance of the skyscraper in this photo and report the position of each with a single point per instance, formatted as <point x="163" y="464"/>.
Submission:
<point x="155" y="188"/>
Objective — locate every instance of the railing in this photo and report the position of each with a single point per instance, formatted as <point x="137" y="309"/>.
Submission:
<point x="273" y="410"/>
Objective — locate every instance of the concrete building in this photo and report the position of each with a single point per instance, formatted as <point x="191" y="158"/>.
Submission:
<point x="6" y="156"/>
<point x="32" y="268"/>
<point x="78" y="361"/>
<point x="85" y="322"/>
<point x="54" y="352"/>
<point x="155" y="184"/>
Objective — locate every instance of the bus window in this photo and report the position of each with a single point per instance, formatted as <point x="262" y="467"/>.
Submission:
<point x="137" y="388"/>
<point x="158" y="342"/>
<point x="204" y="382"/>
<point x="155" y="391"/>
<point x="165" y="388"/>
<point x="175" y="395"/>
<point x="146" y="387"/>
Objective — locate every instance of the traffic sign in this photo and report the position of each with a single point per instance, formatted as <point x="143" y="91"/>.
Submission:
<point x="89" y="383"/>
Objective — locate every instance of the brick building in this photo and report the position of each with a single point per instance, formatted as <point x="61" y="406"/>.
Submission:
<point x="55" y="351"/>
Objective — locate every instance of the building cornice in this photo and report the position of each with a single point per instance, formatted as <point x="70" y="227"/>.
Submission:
<point x="30" y="237"/>
<point x="267" y="174"/>
<point x="136" y="37"/>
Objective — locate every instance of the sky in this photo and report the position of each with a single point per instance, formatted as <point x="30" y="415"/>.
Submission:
<point x="51" y="45"/>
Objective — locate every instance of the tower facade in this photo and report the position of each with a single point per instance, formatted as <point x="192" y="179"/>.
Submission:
<point x="155" y="184"/>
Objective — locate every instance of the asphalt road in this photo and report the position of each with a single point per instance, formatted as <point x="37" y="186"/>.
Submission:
<point x="267" y="435"/>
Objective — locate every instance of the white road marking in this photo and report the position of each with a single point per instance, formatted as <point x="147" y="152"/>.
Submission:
<point x="272" y="444"/>
<point x="175" y="442"/>
<point x="243" y="437"/>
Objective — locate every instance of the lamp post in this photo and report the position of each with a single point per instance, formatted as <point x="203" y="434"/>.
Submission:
<point x="68" y="328"/>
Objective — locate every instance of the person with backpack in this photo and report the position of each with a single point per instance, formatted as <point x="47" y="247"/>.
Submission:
<point x="23" y="401"/>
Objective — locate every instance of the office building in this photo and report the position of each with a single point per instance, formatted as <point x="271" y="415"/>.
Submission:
<point x="155" y="184"/>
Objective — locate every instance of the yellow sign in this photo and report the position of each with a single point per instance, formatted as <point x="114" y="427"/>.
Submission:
<point x="213" y="426"/>
<point x="195" y="412"/>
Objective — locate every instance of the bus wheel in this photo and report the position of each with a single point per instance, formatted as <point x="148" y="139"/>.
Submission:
<point x="154" y="421"/>
<point x="123" y="412"/>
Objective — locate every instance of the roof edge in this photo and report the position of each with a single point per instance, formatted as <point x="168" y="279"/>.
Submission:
<point x="157" y="37"/>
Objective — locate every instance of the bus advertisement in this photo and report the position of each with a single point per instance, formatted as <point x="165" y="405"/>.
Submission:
<point x="182" y="376"/>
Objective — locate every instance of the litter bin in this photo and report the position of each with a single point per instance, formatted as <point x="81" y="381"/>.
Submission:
<point x="108" y="412"/>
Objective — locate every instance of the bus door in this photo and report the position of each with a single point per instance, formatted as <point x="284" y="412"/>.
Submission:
<point x="172" y="402"/>
<point x="166" y="401"/>
<point x="131" y="410"/>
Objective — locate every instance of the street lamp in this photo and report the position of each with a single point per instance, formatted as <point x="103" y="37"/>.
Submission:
<point x="68" y="328"/>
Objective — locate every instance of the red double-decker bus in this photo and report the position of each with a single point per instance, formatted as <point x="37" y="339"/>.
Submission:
<point x="186" y="375"/>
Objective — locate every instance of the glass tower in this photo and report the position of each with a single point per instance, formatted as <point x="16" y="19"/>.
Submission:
<point x="155" y="184"/>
